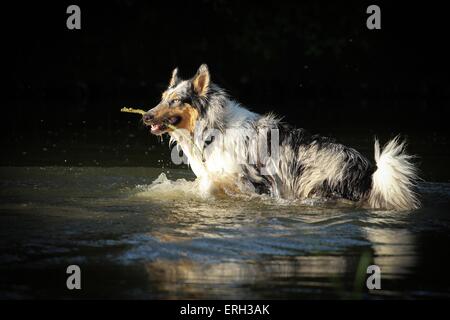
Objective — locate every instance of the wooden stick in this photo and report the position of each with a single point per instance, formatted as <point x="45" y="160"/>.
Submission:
<point x="131" y="110"/>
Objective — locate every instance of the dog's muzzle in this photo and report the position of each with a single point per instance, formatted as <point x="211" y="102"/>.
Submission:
<point x="159" y="126"/>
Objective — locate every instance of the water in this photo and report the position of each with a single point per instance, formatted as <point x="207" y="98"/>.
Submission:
<point x="138" y="233"/>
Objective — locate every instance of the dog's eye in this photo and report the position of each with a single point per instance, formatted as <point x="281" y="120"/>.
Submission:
<point x="175" y="101"/>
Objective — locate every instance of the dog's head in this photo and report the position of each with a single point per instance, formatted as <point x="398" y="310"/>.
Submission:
<point x="179" y="107"/>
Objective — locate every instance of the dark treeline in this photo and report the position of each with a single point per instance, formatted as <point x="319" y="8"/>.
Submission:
<point x="315" y="63"/>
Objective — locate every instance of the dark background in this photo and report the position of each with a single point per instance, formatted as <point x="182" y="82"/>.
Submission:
<point x="315" y="63"/>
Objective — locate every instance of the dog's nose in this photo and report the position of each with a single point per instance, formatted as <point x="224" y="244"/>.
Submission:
<point x="148" y="117"/>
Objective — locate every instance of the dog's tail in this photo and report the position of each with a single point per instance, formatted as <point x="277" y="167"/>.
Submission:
<point x="395" y="179"/>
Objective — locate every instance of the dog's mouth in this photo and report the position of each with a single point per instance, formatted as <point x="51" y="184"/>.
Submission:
<point x="161" y="127"/>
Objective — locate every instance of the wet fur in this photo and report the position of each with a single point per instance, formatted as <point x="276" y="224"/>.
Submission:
<point x="308" y="165"/>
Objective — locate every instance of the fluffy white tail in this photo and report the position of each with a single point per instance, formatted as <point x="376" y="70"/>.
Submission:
<point x="394" y="181"/>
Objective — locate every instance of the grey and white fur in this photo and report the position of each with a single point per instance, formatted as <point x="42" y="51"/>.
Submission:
<point x="306" y="165"/>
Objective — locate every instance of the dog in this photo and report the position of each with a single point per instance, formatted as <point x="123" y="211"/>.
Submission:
<point x="229" y="147"/>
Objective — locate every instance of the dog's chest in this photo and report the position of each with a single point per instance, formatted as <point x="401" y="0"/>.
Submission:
<point x="213" y="158"/>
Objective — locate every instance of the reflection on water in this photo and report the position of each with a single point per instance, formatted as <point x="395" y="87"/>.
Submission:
<point x="396" y="260"/>
<point x="138" y="234"/>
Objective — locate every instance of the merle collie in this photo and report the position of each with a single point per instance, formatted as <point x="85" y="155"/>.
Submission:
<point x="231" y="148"/>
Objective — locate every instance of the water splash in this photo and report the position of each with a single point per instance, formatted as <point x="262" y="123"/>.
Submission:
<point x="164" y="188"/>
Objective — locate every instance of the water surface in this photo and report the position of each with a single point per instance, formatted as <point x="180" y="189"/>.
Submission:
<point x="146" y="233"/>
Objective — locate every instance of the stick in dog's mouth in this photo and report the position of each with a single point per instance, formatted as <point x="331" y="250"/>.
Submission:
<point x="170" y="124"/>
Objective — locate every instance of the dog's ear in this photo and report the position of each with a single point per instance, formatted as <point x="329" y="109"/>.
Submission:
<point x="200" y="82"/>
<point x="174" y="79"/>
